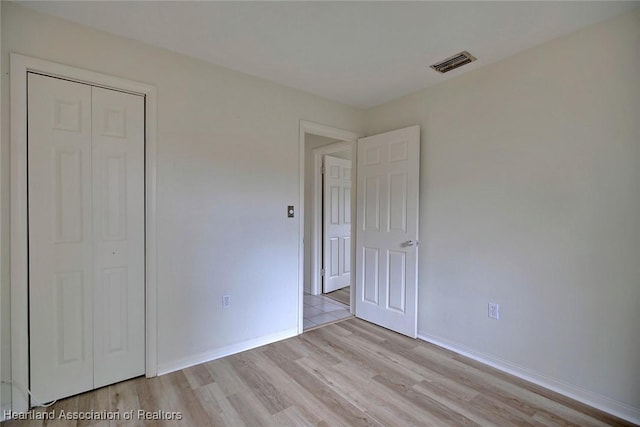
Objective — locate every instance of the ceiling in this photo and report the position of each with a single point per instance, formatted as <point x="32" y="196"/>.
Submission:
<point x="358" y="53"/>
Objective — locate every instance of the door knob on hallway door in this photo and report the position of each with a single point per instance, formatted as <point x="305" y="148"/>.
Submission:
<point x="410" y="243"/>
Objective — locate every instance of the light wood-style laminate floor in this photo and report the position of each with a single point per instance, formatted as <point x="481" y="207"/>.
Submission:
<point x="349" y="373"/>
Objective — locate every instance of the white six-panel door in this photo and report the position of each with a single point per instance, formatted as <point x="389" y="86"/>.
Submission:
<point x="60" y="238"/>
<point x="337" y="223"/>
<point x="118" y="235"/>
<point x="86" y="231"/>
<point x="387" y="229"/>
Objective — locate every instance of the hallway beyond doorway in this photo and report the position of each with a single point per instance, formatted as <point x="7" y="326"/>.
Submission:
<point x="320" y="310"/>
<point x="342" y="295"/>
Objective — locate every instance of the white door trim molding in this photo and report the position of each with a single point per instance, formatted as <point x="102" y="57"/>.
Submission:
<point x="20" y="65"/>
<point x="316" y="207"/>
<point x="328" y="132"/>
<point x="3" y="406"/>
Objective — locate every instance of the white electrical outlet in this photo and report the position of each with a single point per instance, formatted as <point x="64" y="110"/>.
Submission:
<point x="494" y="311"/>
<point x="226" y="301"/>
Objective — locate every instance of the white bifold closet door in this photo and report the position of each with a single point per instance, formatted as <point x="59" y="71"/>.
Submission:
<point x="86" y="236"/>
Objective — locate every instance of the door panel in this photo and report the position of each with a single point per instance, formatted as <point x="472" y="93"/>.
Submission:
<point x="370" y="274"/>
<point x="397" y="285"/>
<point x="337" y="223"/>
<point x="398" y="202"/>
<point x="118" y="212"/>
<point x="386" y="255"/>
<point x="60" y="237"/>
<point x="114" y="220"/>
<point x="371" y="203"/>
<point x="67" y="170"/>
<point x="346" y="251"/>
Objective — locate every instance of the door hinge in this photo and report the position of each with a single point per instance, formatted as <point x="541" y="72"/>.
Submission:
<point x="322" y="272"/>
<point x="323" y="170"/>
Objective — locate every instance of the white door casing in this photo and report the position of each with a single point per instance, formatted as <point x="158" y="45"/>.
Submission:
<point x="337" y="223"/>
<point x="20" y="66"/>
<point x="86" y="236"/>
<point x="307" y="127"/>
<point x="387" y="229"/>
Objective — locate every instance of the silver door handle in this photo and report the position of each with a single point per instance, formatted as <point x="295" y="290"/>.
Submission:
<point x="410" y="243"/>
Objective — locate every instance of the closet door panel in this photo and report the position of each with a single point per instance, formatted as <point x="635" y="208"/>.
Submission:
<point x="118" y="228"/>
<point x="60" y="237"/>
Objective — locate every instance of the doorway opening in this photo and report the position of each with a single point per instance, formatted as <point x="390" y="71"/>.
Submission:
<point x="385" y="225"/>
<point x="326" y="276"/>
<point x="328" y="299"/>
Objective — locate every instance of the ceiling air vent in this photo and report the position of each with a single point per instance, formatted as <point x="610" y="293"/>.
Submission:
<point x="453" y="62"/>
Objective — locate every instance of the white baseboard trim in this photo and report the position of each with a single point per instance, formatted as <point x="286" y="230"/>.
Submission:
<point x="207" y="356"/>
<point x="613" y="407"/>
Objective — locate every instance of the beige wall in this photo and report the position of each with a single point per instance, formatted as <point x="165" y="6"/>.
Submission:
<point x="530" y="198"/>
<point x="227" y="168"/>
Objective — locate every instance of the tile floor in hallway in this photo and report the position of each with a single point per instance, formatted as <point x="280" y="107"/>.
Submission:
<point x="319" y="310"/>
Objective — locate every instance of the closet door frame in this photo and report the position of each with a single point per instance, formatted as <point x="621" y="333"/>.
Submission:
<point x="20" y="66"/>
